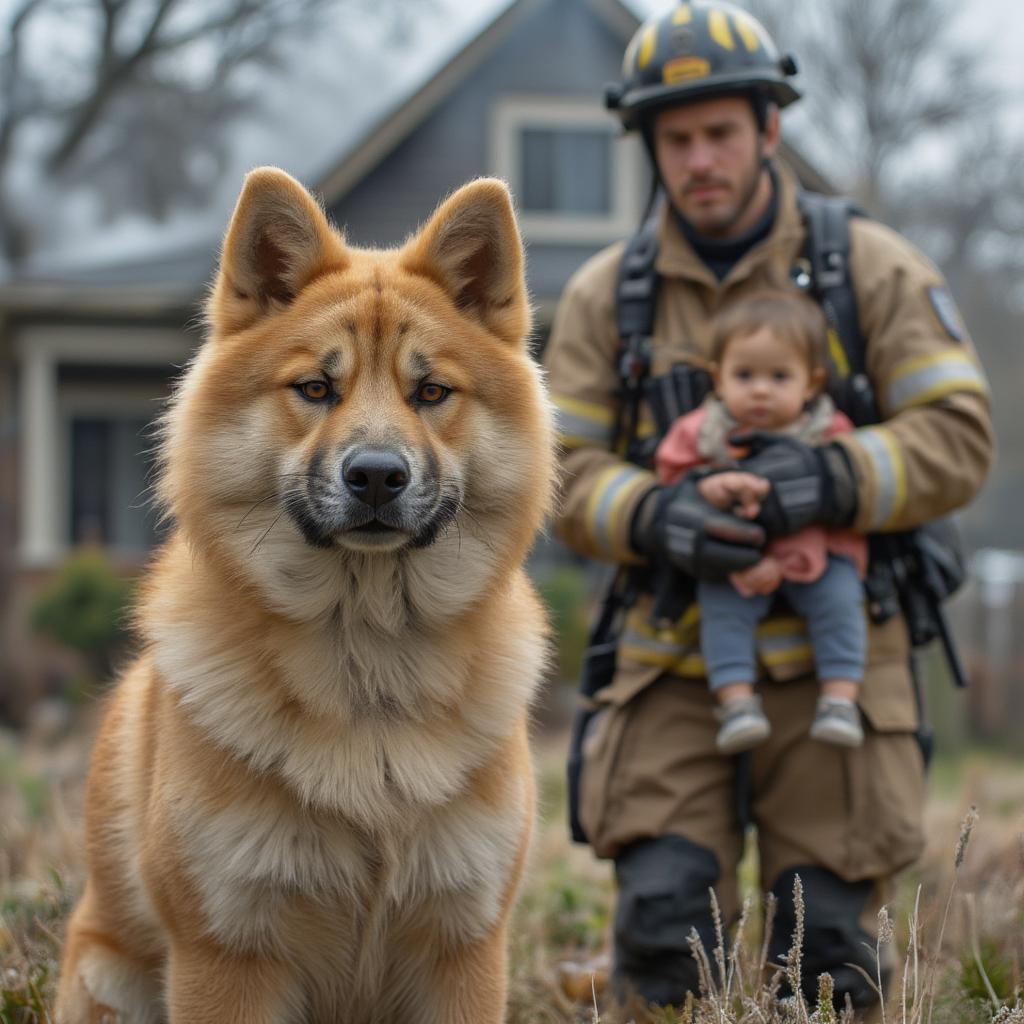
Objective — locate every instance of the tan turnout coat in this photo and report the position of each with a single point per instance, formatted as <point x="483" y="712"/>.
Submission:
<point x="928" y="456"/>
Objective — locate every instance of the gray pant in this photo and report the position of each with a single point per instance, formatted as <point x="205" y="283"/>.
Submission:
<point x="833" y="606"/>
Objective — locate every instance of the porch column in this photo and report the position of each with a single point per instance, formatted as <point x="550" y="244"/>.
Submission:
<point x="40" y="540"/>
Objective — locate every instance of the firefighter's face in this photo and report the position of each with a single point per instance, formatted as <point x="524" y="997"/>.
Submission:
<point x="711" y="159"/>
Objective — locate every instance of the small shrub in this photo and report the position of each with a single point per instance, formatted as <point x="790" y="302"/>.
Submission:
<point x="84" y="607"/>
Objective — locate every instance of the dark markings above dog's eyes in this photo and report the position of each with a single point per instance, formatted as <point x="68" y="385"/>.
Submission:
<point x="419" y="365"/>
<point x="332" y="363"/>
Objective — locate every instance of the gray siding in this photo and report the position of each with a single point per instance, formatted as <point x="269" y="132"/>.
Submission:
<point x="560" y="47"/>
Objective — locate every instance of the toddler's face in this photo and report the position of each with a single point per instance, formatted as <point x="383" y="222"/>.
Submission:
<point x="764" y="381"/>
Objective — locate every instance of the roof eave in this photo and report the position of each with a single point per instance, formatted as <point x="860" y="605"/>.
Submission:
<point x="60" y="299"/>
<point x="399" y="122"/>
<point x="619" y="18"/>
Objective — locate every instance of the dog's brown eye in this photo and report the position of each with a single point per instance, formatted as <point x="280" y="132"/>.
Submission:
<point x="431" y="394"/>
<point x="315" y="390"/>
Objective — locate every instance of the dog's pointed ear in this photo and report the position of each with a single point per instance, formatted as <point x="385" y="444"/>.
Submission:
<point x="472" y="249"/>
<point x="278" y="241"/>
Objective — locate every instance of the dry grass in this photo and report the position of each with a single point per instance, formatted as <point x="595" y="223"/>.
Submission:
<point x="956" y="928"/>
<point x="957" y="925"/>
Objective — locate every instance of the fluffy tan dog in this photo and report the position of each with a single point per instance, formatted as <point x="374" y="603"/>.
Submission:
<point x="311" y="797"/>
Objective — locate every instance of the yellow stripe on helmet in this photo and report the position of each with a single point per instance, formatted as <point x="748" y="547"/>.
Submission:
<point x="647" y="44"/>
<point x="718" y="28"/>
<point x="746" y="31"/>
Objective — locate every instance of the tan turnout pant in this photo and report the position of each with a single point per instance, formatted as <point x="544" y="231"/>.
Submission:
<point x="651" y="769"/>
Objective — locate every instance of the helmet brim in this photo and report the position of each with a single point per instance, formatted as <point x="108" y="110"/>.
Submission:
<point x="637" y="104"/>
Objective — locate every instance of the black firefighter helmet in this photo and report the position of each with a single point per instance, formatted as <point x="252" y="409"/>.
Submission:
<point x="702" y="48"/>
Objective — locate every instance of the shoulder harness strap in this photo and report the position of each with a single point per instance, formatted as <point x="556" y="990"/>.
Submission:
<point x="637" y="285"/>
<point x="636" y="294"/>
<point x="827" y="254"/>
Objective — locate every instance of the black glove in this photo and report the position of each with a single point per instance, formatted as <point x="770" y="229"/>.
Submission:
<point x="677" y="524"/>
<point x="811" y="485"/>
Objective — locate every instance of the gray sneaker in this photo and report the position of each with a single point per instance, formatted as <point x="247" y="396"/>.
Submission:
<point x="837" y="720"/>
<point x="744" y="725"/>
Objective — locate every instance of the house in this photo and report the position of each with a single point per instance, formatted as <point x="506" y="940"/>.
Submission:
<point x="87" y="356"/>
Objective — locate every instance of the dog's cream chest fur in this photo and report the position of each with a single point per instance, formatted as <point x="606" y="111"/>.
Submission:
<point x="379" y="762"/>
<point x="259" y="864"/>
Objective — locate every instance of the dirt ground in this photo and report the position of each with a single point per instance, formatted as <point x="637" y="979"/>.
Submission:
<point x="560" y="938"/>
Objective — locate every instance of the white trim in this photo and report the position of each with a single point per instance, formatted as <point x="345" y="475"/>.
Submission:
<point x="74" y="298"/>
<point x="46" y="410"/>
<point x="510" y="114"/>
<point x="120" y="346"/>
<point x="39" y="541"/>
<point x="109" y="403"/>
<point x="113" y="403"/>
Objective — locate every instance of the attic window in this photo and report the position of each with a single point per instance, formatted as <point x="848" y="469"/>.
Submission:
<point x="565" y="170"/>
<point x="574" y="178"/>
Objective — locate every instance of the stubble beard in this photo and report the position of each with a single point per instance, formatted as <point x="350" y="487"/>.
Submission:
<point x="721" y="227"/>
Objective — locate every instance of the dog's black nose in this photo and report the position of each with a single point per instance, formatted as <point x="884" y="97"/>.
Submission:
<point x="375" y="476"/>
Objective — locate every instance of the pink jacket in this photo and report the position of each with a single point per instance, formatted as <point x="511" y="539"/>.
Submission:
<point x="803" y="556"/>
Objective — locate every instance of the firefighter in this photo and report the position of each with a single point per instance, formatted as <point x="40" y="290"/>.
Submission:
<point x="704" y="85"/>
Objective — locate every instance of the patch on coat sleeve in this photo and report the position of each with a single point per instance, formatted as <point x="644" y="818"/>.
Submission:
<point x="945" y="309"/>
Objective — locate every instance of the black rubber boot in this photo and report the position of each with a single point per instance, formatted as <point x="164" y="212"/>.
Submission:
<point x="663" y="894"/>
<point x="833" y="936"/>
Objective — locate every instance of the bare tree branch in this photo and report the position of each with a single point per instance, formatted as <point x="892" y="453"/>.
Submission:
<point x="19" y="105"/>
<point x="113" y="70"/>
<point x="11" y="84"/>
<point x="140" y="113"/>
<point x="883" y="76"/>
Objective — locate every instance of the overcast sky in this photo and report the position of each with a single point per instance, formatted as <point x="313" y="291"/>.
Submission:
<point x="349" y="81"/>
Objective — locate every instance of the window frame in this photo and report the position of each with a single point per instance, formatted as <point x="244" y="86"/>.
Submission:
<point x="511" y="115"/>
<point x="41" y="456"/>
<point x="117" y="405"/>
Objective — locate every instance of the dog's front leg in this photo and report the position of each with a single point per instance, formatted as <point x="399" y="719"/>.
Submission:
<point x="456" y="983"/>
<point x="205" y="985"/>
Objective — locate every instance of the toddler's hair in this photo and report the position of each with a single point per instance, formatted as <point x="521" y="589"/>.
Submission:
<point x="789" y="315"/>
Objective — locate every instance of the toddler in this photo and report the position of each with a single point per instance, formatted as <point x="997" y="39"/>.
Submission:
<point x="768" y="370"/>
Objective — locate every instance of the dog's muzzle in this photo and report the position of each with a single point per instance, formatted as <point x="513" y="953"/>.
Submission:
<point x="375" y="476"/>
<point x="375" y="499"/>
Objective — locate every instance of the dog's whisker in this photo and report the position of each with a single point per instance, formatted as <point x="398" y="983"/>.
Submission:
<point x="266" y="533"/>
<point x="481" y="536"/>
<point x="252" y="509"/>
